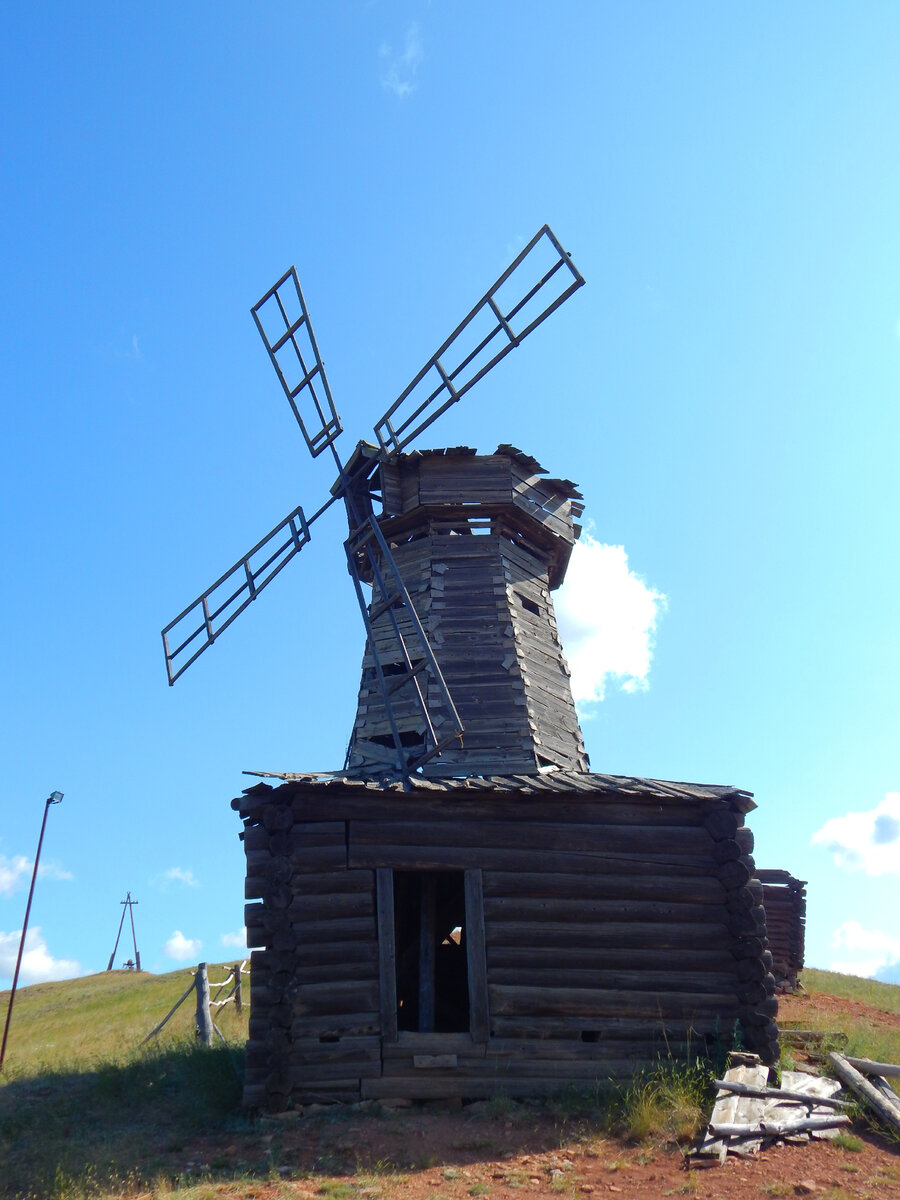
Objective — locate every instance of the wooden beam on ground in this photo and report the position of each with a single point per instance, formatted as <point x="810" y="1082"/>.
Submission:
<point x="869" y="1095"/>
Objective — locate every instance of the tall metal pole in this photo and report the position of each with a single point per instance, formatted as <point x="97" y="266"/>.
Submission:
<point x="53" y="798"/>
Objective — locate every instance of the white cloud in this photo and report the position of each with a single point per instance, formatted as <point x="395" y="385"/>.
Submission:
<point x="867" y="952"/>
<point x="12" y="871"/>
<point x="51" y="871"/>
<point x="401" y="67"/>
<point x="238" y="938"/>
<point x="182" y="948"/>
<point x="607" y="619"/>
<point x="38" y="964"/>
<point x="15" y="872"/>
<point x="865" y="841"/>
<point x="178" y="875"/>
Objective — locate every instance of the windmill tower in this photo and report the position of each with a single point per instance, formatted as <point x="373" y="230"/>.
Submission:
<point x="480" y="541"/>
<point x="463" y="670"/>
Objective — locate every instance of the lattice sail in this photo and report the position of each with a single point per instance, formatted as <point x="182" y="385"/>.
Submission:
<point x="533" y="286"/>
<point x="287" y="333"/>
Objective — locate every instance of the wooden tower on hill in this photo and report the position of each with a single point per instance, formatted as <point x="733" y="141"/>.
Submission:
<point x="466" y="909"/>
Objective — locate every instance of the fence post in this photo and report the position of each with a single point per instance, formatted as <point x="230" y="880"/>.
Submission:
<point x="204" y="1020"/>
<point x="237" y="988"/>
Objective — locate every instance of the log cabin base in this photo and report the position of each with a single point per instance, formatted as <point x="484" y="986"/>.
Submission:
<point x="468" y="937"/>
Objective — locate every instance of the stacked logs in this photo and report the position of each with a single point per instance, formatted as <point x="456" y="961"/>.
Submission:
<point x="784" y="898"/>
<point x="747" y="922"/>
<point x="620" y="920"/>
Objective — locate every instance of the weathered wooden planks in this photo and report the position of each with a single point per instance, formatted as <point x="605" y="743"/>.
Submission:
<point x="481" y="541"/>
<point x="592" y="946"/>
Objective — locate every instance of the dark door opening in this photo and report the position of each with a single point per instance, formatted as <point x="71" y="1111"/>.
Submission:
<point x="431" y="954"/>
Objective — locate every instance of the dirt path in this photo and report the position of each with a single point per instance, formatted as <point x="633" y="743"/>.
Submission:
<point x="429" y="1153"/>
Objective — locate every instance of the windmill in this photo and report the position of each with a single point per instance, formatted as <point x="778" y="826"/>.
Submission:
<point x="408" y="719"/>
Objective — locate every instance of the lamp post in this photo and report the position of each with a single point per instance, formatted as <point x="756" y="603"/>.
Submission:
<point x="53" y="798"/>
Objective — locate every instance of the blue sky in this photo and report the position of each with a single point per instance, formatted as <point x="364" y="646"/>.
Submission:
<point x="724" y="389"/>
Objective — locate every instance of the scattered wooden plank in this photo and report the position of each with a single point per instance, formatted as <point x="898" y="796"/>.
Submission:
<point x="886" y="1090"/>
<point x="867" y="1067"/>
<point x="779" y="1128"/>
<point x="809" y="1099"/>
<point x="870" y="1096"/>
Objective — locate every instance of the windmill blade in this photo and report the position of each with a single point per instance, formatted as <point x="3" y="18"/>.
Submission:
<point x="529" y="290"/>
<point x="287" y="333"/>
<point x="193" y="630"/>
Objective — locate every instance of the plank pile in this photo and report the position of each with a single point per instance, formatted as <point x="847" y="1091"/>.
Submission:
<point x="749" y="1115"/>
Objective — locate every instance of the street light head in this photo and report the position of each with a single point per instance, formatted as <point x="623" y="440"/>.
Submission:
<point x="54" y="797"/>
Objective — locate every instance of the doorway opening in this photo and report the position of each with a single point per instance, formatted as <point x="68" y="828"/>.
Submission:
<point x="431" y="953"/>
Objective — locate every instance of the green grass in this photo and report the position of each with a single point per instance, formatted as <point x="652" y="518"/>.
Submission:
<point x="84" y="1020"/>
<point x="863" y="1039"/>
<point x="86" y="1111"/>
<point x="667" y="1106"/>
<point x="885" y="996"/>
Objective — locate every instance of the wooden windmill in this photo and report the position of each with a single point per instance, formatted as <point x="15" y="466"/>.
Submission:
<point x="463" y="670"/>
<point x="466" y="909"/>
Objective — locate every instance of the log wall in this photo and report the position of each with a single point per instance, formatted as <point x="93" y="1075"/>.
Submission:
<point x="602" y="932"/>
<point x="784" y="899"/>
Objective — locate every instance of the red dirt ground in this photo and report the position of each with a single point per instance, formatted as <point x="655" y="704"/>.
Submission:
<point x="430" y="1153"/>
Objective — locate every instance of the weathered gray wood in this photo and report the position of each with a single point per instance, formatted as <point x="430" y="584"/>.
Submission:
<point x="362" y="951"/>
<point x="410" y="1043"/>
<point x="640" y="934"/>
<point x="476" y="956"/>
<point x="661" y="886"/>
<point x="588" y="910"/>
<point x="203" y="1019"/>
<point x="434" y="1062"/>
<point x="712" y="964"/>
<point x="332" y="882"/>
<point x="335" y="1025"/>
<point x="695" y="1027"/>
<point x="731" y="1109"/>
<point x="170" y="1013"/>
<point x="338" y="929"/>
<point x="869" y="1095"/>
<point x="691" y="982"/>
<point x="866" y="1066"/>
<point x="315" y="998"/>
<point x="322" y="907"/>
<point x="436" y="857"/>
<point x="471" y="1080"/>
<point x="648" y="1050"/>
<point x="593" y="1002"/>
<point x="777" y="1128"/>
<point x="807" y="1098"/>
<point x="387" y="964"/>
<point x="592" y="806"/>
<point x="310" y="1074"/>
<point x="548" y="837"/>
<point x="882" y="1085"/>
<point x="344" y="1050"/>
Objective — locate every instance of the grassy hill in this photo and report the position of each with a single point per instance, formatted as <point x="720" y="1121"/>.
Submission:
<point x="86" y="1111"/>
<point x="82" y="1021"/>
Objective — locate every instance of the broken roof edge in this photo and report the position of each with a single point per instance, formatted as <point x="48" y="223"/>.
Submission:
<point x="587" y="784"/>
